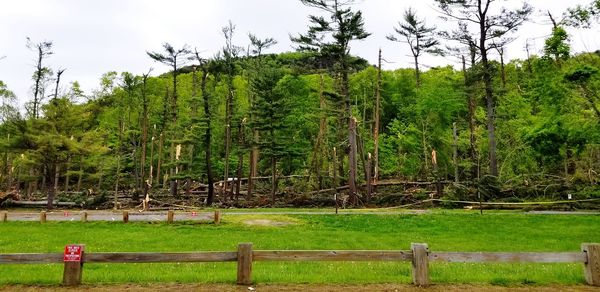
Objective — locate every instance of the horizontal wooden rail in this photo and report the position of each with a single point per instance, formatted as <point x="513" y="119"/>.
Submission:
<point x="508" y="257"/>
<point x="159" y="257"/>
<point x="331" y="255"/>
<point x="419" y="256"/>
<point x="127" y="216"/>
<point x="31" y="258"/>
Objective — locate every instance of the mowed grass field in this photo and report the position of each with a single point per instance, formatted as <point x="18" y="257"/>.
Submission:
<point x="443" y="231"/>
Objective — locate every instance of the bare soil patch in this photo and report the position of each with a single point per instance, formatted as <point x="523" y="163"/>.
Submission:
<point x="267" y="222"/>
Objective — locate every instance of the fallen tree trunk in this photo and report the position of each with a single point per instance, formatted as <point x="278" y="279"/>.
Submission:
<point x="38" y="203"/>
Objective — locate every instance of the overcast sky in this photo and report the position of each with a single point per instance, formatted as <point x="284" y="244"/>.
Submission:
<point x="94" y="37"/>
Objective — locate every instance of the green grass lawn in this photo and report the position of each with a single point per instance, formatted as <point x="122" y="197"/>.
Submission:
<point x="455" y="231"/>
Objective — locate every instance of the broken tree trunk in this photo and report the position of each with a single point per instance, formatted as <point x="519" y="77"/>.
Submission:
<point x="353" y="196"/>
<point x="376" y="127"/>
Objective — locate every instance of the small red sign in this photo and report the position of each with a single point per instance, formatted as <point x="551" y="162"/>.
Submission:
<point x="73" y="253"/>
<point x="194" y="214"/>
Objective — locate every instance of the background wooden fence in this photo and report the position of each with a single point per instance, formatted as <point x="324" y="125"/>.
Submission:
<point x="84" y="216"/>
<point x="419" y="255"/>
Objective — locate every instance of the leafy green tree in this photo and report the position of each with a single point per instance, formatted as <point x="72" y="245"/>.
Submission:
<point x="489" y="27"/>
<point x="175" y="58"/>
<point x="230" y="54"/>
<point x="582" y="16"/>
<point x="586" y="77"/>
<point x="419" y="37"/>
<point x="331" y="39"/>
<point x="270" y="111"/>
<point x="8" y="99"/>
<point x="557" y="45"/>
<point x="258" y="46"/>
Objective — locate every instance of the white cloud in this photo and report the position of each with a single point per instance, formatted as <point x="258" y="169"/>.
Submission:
<point x="94" y="37"/>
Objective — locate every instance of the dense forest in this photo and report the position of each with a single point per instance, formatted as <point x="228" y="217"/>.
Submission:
<point x="296" y="124"/>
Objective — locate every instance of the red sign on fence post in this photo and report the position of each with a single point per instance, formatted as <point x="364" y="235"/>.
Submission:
<point x="73" y="258"/>
<point x="73" y="253"/>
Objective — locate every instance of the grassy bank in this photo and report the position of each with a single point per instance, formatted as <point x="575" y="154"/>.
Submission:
<point x="443" y="232"/>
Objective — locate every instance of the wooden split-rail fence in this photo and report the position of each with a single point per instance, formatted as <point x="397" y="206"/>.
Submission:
<point x="84" y="216"/>
<point x="245" y="256"/>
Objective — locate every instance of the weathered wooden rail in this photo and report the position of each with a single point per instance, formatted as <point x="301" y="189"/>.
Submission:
<point x="419" y="256"/>
<point x="84" y="216"/>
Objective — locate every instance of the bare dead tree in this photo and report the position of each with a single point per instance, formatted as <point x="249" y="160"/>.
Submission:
<point x="41" y="73"/>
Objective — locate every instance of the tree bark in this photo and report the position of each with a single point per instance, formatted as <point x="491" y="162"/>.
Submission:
<point x="502" y="67"/>
<point x="207" y="137"/>
<point x="80" y="175"/>
<point x="52" y="189"/>
<point x="273" y="179"/>
<point x="318" y="148"/>
<point x="38" y="81"/>
<point x="118" y="174"/>
<point x="417" y="71"/>
<point x="376" y="127"/>
<point x="228" y="114"/>
<point x="455" y="151"/>
<point x="489" y="93"/>
<point x="471" y="120"/>
<point x="56" y="177"/>
<point x="151" y="170"/>
<point x="174" y="183"/>
<point x="67" y="177"/>
<point x="144" y="137"/>
<point x="352" y="162"/>
<point x="335" y="173"/>
<point x="369" y="165"/>
<point x="238" y="181"/>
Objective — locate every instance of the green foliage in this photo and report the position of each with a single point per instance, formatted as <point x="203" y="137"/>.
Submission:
<point x="546" y="118"/>
<point x="557" y="45"/>
<point x="582" y="16"/>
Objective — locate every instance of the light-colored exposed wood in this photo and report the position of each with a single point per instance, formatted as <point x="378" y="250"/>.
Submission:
<point x="217" y="217"/>
<point x="420" y="264"/>
<point x="43" y="217"/>
<point x="160" y="257"/>
<point x="84" y="217"/>
<point x="332" y="255"/>
<point x="31" y="258"/>
<point x="170" y="216"/>
<point x="592" y="263"/>
<point x="4" y="216"/>
<point x="125" y="216"/>
<point x="244" y="264"/>
<point x="529" y="257"/>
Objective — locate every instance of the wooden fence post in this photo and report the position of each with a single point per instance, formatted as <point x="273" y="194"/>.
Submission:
<point x="4" y="217"/>
<point x="73" y="269"/>
<point x="170" y="216"/>
<point x="125" y="216"/>
<point x="217" y="216"/>
<point x="43" y="217"/>
<point x="420" y="264"/>
<point x="592" y="263"/>
<point x="84" y="216"/>
<point x="244" y="264"/>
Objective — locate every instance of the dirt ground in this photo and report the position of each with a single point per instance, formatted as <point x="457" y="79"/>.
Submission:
<point x="293" y="287"/>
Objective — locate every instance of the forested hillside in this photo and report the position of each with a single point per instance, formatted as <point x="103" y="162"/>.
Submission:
<point x="504" y="129"/>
